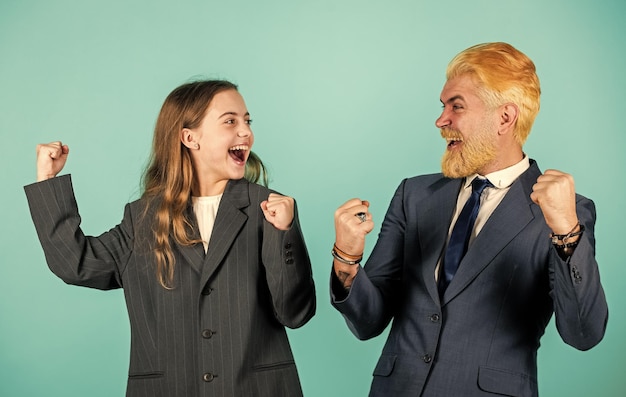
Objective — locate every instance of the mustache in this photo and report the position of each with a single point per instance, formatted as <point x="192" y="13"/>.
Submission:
<point x="450" y="133"/>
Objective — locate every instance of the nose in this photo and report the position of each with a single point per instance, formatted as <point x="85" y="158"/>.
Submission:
<point x="244" y="131"/>
<point x="443" y="120"/>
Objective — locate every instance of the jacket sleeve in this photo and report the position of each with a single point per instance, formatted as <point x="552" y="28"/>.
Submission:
<point x="77" y="259"/>
<point x="288" y="273"/>
<point x="367" y="308"/>
<point x="580" y="307"/>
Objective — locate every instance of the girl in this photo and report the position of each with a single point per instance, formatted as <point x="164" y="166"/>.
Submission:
<point x="213" y="266"/>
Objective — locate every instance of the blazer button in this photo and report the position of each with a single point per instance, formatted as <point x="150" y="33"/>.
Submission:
<point x="289" y="261"/>
<point x="287" y="246"/>
<point x="435" y="318"/>
<point x="208" y="377"/>
<point x="207" y="333"/>
<point x="427" y="358"/>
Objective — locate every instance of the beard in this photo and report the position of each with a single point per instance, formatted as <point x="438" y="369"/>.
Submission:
<point x="475" y="153"/>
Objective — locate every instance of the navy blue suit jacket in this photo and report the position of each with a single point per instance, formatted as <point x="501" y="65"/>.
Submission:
<point x="482" y="337"/>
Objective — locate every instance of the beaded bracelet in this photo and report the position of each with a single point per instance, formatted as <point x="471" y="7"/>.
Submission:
<point x="565" y="250"/>
<point x="564" y="237"/>
<point x="566" y="245"/>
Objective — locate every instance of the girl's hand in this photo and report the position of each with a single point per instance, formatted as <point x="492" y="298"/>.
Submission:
<point x="278" y="210"/>
<point x="51" y="158"/>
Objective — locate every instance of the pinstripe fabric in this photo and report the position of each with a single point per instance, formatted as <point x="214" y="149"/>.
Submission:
<point x="221" y="330"/>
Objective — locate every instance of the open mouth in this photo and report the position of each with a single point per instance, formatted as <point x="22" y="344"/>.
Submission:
<point x="452" y="142"/>
<point x="452" y="137"/>
<point x="238" y="153"/>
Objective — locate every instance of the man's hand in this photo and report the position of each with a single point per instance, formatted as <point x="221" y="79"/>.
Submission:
<point x="554" y="193"/>
<point x="352" y="223"/>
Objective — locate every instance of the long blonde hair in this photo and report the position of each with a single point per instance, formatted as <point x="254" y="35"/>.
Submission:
<point x="170" y="175"/>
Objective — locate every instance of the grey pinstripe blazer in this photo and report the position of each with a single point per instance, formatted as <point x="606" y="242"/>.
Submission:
<point x="481" y="338"/>
<point x="221" y="330"/>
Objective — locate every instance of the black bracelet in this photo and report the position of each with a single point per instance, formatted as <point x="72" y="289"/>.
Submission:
<point x="564" y="237"/>
<point x="343" y="260"/>
<point x="567" y="245"/>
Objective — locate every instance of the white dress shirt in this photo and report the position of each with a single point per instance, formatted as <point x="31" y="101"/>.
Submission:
<point x="490" y="198"/>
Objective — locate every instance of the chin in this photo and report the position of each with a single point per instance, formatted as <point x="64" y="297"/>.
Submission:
<point x="452" y="167"/>
<point x="455" y="174"/>
<point x="237" y="175"/>
<point x="456" y="165"/>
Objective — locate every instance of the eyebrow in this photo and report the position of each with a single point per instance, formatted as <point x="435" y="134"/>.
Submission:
<point x="454" y="98"/>
<point x="233" y="114"/>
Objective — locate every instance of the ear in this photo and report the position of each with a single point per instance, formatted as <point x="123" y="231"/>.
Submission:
<point x="188" y="138"/>
<point x="508" y="118"/>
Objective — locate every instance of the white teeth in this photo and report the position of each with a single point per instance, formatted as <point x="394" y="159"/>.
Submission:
<point x="239" y="147"/>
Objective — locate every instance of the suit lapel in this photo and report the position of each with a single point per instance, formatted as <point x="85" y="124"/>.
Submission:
<point x="433" y="234"/>
<point x="228" y="223"/>
<point x="506" y="222"/>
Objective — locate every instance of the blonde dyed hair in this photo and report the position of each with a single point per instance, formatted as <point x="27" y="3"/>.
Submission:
<point x="170" y="175"/>
<point x="503" y="75"/>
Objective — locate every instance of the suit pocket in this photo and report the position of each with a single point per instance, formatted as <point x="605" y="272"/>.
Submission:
<point x="278" y="365"/>
<point x="385" y="365"/>
<point x="505" y="382"/>
<point x="145" y="375"/>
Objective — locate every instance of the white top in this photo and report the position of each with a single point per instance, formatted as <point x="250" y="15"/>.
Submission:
<point x="205" y="209"/>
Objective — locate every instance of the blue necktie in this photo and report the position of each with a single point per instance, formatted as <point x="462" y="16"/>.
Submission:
<point x="459" y="239"/>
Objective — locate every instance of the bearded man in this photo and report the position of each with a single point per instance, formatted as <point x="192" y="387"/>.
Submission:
<point x="471" y="264"/>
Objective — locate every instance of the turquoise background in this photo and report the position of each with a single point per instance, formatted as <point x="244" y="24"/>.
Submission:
<point x="344" y="95"/>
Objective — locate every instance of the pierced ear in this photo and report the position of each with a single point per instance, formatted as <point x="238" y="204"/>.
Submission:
<point x="508" y="117"/>
<point x="187" y="137"/>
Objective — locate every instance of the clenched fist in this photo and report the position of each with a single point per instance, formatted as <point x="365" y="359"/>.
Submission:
<point x="349" y="229"/>
<point x="554" y="193"/>
<point x="278" y="210"/>
<point x="352" y="223"/>
<point x="51" y="158"/>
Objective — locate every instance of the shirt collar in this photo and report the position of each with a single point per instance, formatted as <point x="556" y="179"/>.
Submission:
<point x="504" y="178"/>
